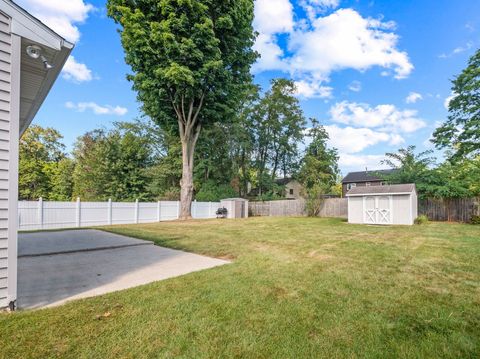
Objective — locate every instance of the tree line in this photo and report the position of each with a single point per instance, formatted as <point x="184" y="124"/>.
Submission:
<point x="265" y="140"/>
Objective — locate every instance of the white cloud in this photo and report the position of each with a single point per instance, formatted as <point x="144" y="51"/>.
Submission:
<point x="446" y="103"/>
<point x="359" y="162"/>
<point x="413" y="97"/>
<point x="273" y="16"/>
<point x="60" y="15"/>
<point x="97" y="109"/>
<point x="457" y="50"/>
<point x="383" y="117"/>
<point x="343" y="40"/>
<point x="271" y="52"/>
<point x="316" y="7"/>
<point x="312" y="89"/>
<point x="314" y="47"/>
<point x="75" y="71"/>
<point x="353" y="140"/>
<point x="355" y="86"/>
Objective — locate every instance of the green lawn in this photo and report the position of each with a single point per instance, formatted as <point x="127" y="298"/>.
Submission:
<point x="297" y="288"/>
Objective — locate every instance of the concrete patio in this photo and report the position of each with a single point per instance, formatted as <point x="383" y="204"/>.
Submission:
<point x="56" y="267"/>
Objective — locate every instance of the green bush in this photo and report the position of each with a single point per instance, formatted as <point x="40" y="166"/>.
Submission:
<point x="422" y="219"/>
<point x="475" y="220"/>
<point x="212" y="192"/>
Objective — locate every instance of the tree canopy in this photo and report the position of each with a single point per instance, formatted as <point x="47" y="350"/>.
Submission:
<point x="191" y="63"/>
<point x="461" y="132"/>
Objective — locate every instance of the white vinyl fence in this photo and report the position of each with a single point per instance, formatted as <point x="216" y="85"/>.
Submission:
<point x="34" y="215"/>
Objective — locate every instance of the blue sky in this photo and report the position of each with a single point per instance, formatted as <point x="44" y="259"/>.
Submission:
<point x="375" y="73"/>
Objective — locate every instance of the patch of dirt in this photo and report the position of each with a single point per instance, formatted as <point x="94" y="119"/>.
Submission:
<point x="319" y="256"/>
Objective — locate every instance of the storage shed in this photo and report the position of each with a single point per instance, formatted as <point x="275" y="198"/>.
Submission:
<point x="236" y="207"/>
<point x="31" y="58"/>
<point x="391" y="204"/>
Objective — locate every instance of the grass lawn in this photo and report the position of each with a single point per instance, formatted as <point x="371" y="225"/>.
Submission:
<point x="297" y="288"/>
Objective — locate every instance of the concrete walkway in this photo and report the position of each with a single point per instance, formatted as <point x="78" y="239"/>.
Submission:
<point x="56" y="267"/>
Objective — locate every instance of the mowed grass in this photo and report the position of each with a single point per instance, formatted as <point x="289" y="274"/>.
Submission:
<point x="296" y="288"/>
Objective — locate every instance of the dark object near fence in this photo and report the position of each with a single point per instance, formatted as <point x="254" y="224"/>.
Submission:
<point x="221" y="213"/>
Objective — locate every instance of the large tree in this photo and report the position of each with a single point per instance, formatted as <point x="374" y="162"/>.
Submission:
<point x="41" y="151"/>
<point x="113" y="164"/>
<point x="410" y="167"/>
<point x="278" y="123"/>
<point x="461" y="132"/>
<point x="319" y="170"/>
<point x="190" y="59"/>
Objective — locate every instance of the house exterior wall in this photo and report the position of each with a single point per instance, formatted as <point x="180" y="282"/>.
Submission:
<point x="295" y="187"/>
<point x="9" y="133"/>
<point x="359" y="184"/>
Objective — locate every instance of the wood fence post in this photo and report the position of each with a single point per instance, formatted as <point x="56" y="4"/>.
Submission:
<point x="40" y="212"/>
<point x="158" y="211"/>
<point x="78" y="214"/>
<point x="110" y="211"/>
<point x="178" y="209"/>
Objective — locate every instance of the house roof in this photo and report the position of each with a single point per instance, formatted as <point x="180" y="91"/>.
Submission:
<point x="283" y="181"/>
<point x="406" y="188"/>
<point x="367" y="176"/>
<point x="35" y="81"/>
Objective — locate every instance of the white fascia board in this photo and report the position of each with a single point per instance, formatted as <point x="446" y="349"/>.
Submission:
<point x="378" y="194"/>
<point x="25" y="25"/>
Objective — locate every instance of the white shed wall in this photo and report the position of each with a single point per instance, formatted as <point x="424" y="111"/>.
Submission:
<point x="401" y="211"/>
<point x="414" y="201"/>
<point x="355" y="210"/>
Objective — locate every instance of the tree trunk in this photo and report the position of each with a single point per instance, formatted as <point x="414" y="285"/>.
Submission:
<point x="186" y="183"/>
<point x="189" y="128"/>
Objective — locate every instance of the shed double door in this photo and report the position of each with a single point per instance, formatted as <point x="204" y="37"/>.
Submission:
<point x="377" y="209"/>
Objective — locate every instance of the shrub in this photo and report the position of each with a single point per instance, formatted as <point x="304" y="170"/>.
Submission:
<point x="213" y="192"/>
<point x="422" y="219"/>
<point x="475" y="220"/>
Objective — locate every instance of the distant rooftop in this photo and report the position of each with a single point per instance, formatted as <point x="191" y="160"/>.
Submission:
<point x="367" y="176"/>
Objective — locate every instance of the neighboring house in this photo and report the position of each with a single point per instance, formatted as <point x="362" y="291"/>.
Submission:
<point x="292" y="188"/>
<point x="31" y="58"/>
<point x="364" y="179"/>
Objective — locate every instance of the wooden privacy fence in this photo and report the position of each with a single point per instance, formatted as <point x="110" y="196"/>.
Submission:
<point x="455" y="209"/>
<point x="331" y="207"/>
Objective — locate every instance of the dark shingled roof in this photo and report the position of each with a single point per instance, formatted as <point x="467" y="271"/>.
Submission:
<point x="367" y="176"/>
<point x="394" y="188"/>
<point x="283" y="181"/>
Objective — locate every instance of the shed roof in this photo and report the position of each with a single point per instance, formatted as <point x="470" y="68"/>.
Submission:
<point x="367" y="176"/>
<point x="406" y="188"/>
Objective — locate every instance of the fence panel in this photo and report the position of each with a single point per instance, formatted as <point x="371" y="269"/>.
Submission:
<point x="147" y="212"/>
<point x="455" y="210"/>
<point x="35" y="215"/>
<point x="92" y="214"/>
<point x="57" y="215"/>
<point x="123" y="212"/>
<point x="332" y="207"/>
<point x="169" y="210"/>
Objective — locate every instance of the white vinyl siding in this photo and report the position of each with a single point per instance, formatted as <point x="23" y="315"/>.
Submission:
<point x="5" y="86"/>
